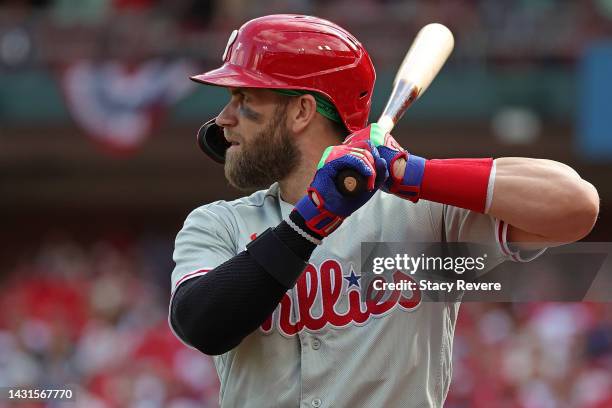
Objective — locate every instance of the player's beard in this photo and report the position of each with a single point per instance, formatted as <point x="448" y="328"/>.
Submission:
<point x="268" y="156"/>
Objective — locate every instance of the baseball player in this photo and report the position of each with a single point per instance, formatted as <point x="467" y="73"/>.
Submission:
<point x="269" y="284"/>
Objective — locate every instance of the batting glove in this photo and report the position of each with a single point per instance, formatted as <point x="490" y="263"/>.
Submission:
<point x="406" y="187"/>
<point x="324" y="208"/>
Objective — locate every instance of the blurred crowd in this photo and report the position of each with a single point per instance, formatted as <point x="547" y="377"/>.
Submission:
<point x="533" y="355"/>
<point x="488" y="31"/>
<point x="95" y="316"/>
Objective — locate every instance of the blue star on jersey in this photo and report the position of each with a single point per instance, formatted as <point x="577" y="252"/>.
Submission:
<point x="352" y="279"/>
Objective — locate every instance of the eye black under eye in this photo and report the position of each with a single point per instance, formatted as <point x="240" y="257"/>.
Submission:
<point x="250" y="114"/>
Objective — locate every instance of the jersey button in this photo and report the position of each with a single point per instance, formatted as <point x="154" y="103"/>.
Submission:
<point x="316" y="403"/>
<point x="316" y="344"/>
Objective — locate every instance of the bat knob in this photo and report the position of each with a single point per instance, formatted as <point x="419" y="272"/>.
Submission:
<point x="350" y="183"/>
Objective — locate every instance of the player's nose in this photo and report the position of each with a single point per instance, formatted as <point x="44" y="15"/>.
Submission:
<point x="227" y="117"/>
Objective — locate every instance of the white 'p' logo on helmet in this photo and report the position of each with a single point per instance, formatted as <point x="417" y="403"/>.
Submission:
<point x="230" y="41"/>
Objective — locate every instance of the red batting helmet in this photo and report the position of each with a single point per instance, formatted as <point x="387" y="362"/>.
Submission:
<point x="288" y="51"/>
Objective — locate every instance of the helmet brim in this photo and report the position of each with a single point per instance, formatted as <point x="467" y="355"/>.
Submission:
<point x="234" y="76"/>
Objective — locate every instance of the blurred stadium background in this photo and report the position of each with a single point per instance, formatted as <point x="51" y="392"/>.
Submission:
<point x="99" y="167"/>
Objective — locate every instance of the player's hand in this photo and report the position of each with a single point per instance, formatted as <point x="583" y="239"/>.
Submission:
<point x="405" y="169"/>
<point x="324" y="207"/>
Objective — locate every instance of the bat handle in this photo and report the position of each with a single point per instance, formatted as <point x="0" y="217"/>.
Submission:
<point x="350" y="183"/>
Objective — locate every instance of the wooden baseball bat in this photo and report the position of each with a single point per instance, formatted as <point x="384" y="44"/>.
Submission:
<point x="428" y="52"/>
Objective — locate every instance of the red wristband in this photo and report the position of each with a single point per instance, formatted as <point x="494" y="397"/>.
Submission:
<point x="458" y="182"/>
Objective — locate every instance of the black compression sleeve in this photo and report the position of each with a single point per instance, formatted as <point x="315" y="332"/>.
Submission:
<point x="215" y="311"/>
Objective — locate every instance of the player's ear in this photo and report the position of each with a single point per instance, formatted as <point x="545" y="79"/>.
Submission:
<point x="300" y="112"/>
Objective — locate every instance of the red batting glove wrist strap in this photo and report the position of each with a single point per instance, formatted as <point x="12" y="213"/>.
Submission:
<point x="461" y="183"/>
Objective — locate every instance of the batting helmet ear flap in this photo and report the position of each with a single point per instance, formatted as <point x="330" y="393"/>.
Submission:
<point x="212" y="141"/>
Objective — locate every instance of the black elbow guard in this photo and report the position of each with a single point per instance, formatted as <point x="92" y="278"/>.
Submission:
<point x="276" y="258"/>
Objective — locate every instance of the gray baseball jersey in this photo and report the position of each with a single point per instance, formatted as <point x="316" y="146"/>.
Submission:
<point x="322" y="347"/>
